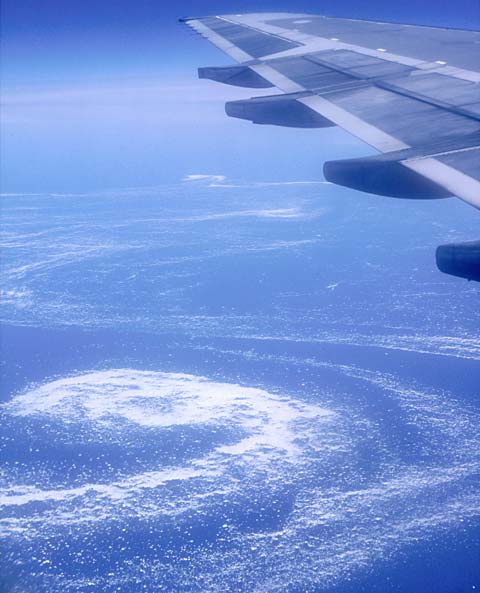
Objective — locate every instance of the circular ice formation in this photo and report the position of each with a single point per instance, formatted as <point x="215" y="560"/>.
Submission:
<point x="264" y="434"/>
<point x="285" y="495"/>
<point x="160" y="400"/>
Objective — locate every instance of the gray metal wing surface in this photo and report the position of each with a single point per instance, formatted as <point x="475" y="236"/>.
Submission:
<point x="411" y="92"/>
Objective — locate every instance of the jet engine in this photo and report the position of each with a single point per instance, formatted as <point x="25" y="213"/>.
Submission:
<point x="460" y="259"/>
<point x="278" y="110"/>
<point x="235" y="75"/>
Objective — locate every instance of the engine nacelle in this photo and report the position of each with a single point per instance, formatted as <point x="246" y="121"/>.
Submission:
<point x="277" y="110"/>
<point x="460" y="259"/>
<point x="235" y="75"/>
<point x="383" y="175"/>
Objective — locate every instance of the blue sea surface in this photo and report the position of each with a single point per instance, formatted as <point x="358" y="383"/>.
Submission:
<point x="230" y="386"/>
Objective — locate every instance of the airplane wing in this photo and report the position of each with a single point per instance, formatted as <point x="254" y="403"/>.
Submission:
<point x="411" y="92"/>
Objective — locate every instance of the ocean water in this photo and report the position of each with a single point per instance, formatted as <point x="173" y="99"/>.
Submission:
<point x="224" y="386"/>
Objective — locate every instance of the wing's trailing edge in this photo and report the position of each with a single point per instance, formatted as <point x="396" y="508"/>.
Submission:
<point x="412" y="93"/>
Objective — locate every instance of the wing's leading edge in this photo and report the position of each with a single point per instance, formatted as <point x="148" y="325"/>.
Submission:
<point x="411" y="92"/>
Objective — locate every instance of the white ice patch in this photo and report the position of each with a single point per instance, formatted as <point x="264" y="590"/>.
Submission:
<point x="20" y="299"/>
<point x="205" y="177"/>
<point x="466" y="347"/>
<point x="221" y="181"/>
<point x="264" y="213"/>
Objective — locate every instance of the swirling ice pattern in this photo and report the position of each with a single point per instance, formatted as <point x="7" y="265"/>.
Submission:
<point x="321" y="513"/>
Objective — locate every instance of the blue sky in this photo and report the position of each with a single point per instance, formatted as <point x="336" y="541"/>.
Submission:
<point x="105" y="94"/>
